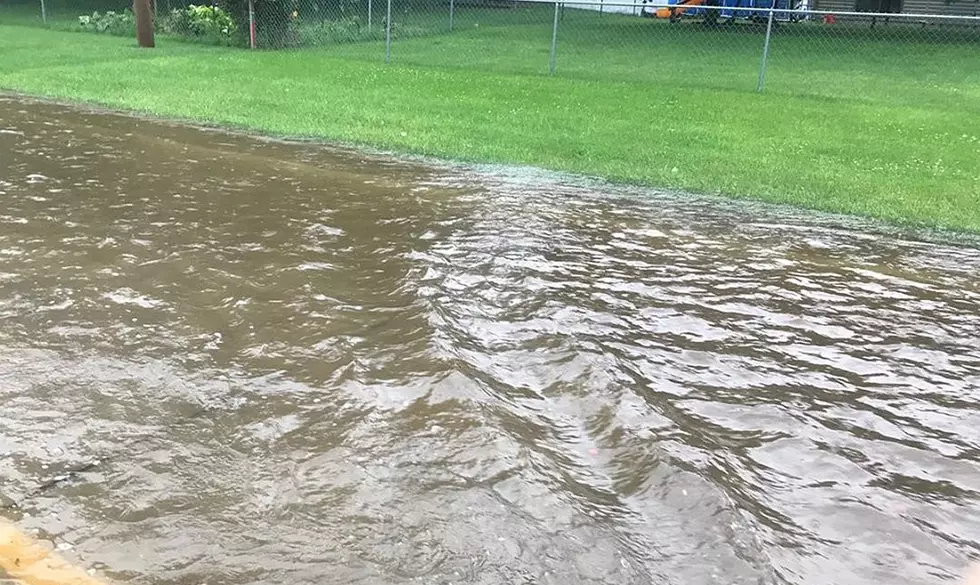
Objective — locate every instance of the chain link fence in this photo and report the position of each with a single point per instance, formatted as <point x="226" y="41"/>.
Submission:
<point x="728" y="44"/>
<point x="64" y="14"/>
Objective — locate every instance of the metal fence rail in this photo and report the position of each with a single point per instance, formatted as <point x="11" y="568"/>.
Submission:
<point x="739" y="45"/>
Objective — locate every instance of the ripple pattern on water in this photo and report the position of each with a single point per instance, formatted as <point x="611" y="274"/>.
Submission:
<point x="296" y="364"/>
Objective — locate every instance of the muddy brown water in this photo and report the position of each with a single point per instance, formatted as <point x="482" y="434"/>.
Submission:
<point x="229" y="360"/>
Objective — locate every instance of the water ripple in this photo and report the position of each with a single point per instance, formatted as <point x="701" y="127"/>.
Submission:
<point x="295" y="364"/>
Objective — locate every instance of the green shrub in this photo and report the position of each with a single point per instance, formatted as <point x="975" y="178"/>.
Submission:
<point x="351" y="30"/>
<point x="112" y="23"/>
<point x="346" y="30"/>
<point x="275" y="21"/>
<point x="207" y="23"/>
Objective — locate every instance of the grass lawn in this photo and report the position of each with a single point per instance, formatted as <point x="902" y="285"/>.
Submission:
<point x="884" y="125"/>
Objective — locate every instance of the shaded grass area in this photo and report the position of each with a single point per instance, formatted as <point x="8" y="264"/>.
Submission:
<point x="61" y="14"/>
<point x="852" y="135"/>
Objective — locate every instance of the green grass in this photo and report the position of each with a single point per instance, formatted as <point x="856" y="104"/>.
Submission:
<point x="855" y="123"/>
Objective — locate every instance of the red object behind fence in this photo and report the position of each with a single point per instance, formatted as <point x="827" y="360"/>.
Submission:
<point x="251" y="24"/>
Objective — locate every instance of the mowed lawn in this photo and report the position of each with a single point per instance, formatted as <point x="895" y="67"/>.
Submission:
<point x="885" y="125"/>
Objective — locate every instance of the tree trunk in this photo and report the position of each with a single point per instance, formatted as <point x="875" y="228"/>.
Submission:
<point x="144" y="22"/>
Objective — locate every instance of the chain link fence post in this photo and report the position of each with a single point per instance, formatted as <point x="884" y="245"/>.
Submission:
<point x="452" y="13"/>
<point x="554" y="39"/>
<point x="388" y="34"/>
<point x="44" y="13"/>
<point x="765" y="49"/>
<point x="369" y="2"/>
<point x="251" y="24"/>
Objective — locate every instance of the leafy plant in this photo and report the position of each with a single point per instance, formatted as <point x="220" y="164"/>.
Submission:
<point x="349" y="8"/>
<point x="337" y="31"/>
<point x="275" y="20"/>
<point x="113" y="23"/>
<point x="351" y="30"/>
<point x="208" y="23"/>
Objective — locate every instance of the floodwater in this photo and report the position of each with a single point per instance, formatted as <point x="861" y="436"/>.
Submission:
<point x="229" y="360"/>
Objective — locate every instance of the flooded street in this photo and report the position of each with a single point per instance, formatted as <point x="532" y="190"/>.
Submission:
<point x="228" y="361"/>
